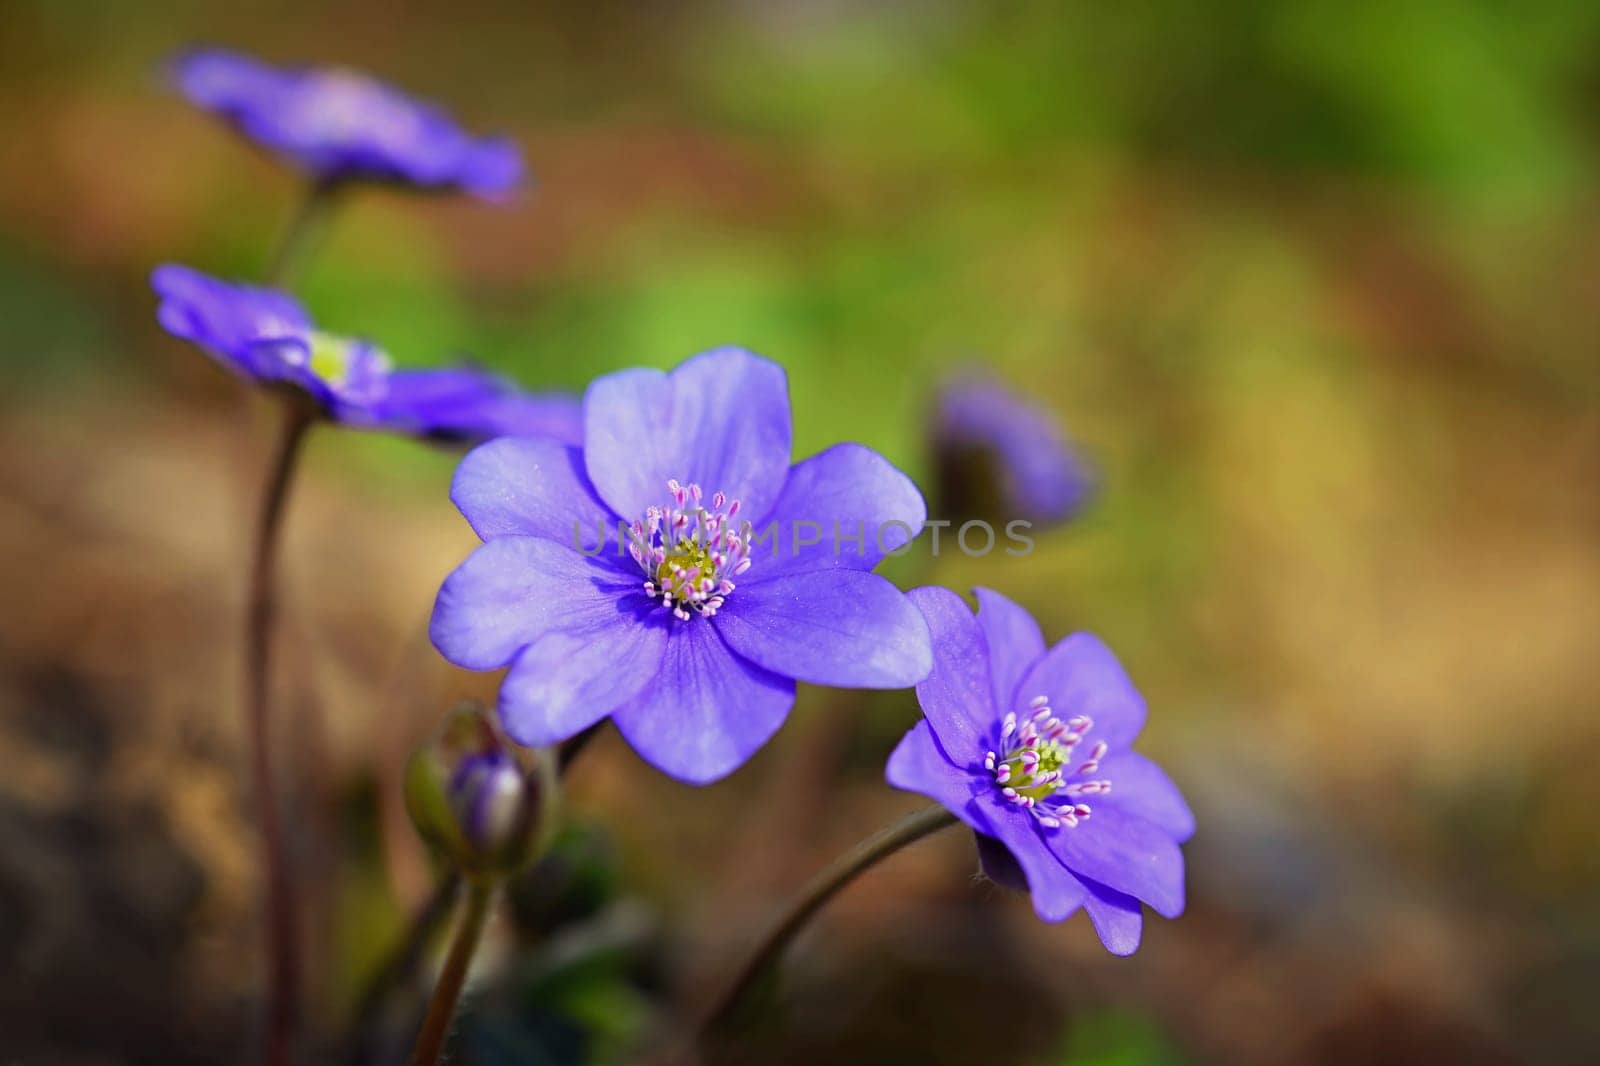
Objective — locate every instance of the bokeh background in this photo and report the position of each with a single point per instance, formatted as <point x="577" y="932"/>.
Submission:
<point x="1316" y="285"/>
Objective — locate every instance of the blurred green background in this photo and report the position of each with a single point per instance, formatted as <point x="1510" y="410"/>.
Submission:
<point x="1316" y="285"/>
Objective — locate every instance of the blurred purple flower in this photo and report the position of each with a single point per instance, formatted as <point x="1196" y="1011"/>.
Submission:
<point x="338" y="125"/>
<point x="265" y="336"/>
<point x="1031" y="748"/>
<point x="1001" y="457"/>
<point x="695" y="672"/>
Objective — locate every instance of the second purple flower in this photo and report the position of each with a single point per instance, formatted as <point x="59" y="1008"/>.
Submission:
<point x="1032" y="748"/>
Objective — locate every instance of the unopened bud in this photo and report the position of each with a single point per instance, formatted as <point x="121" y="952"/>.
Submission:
<point x="999" y="457"/>
<point x="481" y="804"/>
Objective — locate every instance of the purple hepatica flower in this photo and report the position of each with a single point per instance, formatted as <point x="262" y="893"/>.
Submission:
<point x="338" y="125"/>
<point x="677" y="617"/>
<point x="1000" y="456"/>
<point x="265" y="336"/>
<point x="1031" y="748"/>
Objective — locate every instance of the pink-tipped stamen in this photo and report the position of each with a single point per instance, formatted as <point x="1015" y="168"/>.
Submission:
<point x="1033" y="766"/>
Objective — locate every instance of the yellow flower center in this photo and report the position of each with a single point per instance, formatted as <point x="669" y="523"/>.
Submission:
<point x="331" y="357"/>
<point x="686" y="568"/>
<point x="691" y="552"/>
<point x="1036" y="765"/>
<point x="1040" y="781"/>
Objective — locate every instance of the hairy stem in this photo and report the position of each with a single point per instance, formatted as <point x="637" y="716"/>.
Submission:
<point x="822" y="888"/>
<point x="442" y="1008"/>
<point x="401" y="965"/>
<point x="305" y="226"/>
<point x="282" y="934"/>
<point x="398" y="968"/>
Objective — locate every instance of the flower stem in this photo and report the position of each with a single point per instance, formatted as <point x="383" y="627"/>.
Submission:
<point x="400" y="966"/>
<point x="822" y="888"/>
<point x="310" y="218"/>
<point x="282" y="940"/>
<point x="442" y="1008"/>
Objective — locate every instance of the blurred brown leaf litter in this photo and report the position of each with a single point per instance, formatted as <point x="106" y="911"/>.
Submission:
<point x="1333" y="357"/>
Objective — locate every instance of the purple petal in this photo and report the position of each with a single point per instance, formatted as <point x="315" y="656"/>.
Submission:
<point x="220" y="80"/>
<point x="851" y="501"/>
<point x="1125" y="853"/>
<point x="442" y="401"/>
<point x="708" y="709"/>
<point x="1117" y="918"/>
<point x="829" y="627"/>
<point x="554" y="415"/>
<point x="720" y="420"/>
<point x="1142" y="788"/>
<point x="957" y="696"/>
<point x="260" y="333"/>
<point x="492" y="168"/>
<point x="531" y="487"/>
<point x="1014" y="643"/>
<point x="514" y="590"/>
<point x="919" y="765"/>
<point x="1056" y="892"/>
<point x="467" y="404"/>
<point x="1081" y="676"/>
<point x="1009" y="845"/>
<point x="566" y="681"/>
